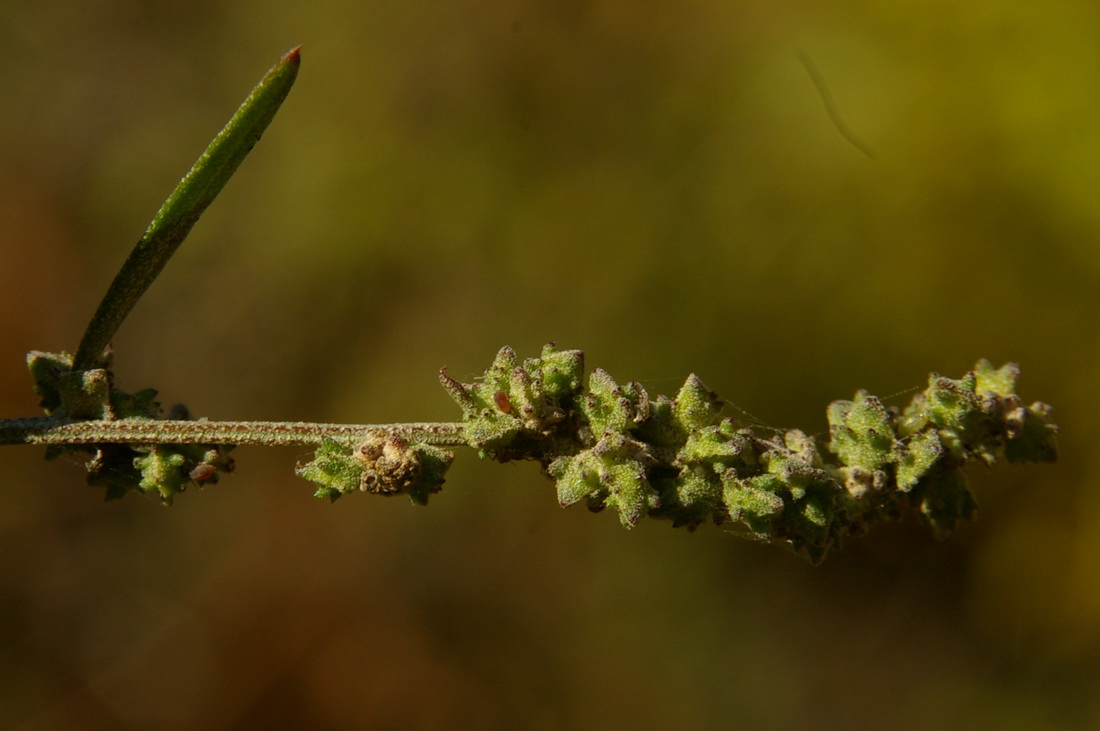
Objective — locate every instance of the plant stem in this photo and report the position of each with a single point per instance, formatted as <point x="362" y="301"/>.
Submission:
<point x="46" y="430"/>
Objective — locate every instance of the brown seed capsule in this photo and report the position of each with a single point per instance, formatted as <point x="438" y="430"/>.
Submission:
<point x="503" y="403"/>
<point x="203" y="472"/>
<point x="390" y="465"/>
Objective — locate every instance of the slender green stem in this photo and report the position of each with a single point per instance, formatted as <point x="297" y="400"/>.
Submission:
<point x="45" y="430"/>
<point x="179" y="213"/>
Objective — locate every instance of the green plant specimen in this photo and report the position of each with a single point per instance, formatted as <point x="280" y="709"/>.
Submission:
<point x="605" y="444"/>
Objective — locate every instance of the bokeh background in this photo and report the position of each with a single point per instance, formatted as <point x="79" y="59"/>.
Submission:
<point x="658" y="184"/>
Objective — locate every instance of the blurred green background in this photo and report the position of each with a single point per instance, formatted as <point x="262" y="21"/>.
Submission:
<point x="656" y="183"/>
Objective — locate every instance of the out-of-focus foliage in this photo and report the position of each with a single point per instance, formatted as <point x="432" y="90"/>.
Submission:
<point x="450" y="177"/>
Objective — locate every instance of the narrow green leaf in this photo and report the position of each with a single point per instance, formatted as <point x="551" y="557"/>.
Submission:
<point x="179" y="213"/>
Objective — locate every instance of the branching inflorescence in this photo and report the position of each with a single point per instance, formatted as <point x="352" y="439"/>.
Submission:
<point x="605" y="444"/>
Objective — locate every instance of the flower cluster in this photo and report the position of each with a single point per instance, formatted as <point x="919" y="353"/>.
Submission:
<point x="611" y="445"/>
<point x="163" y="470"/>
<point x="382" y="464"/>
<point x="515" y="410"/>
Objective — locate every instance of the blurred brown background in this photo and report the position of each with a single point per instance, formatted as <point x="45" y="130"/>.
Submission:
<point x="656" y="183"/>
